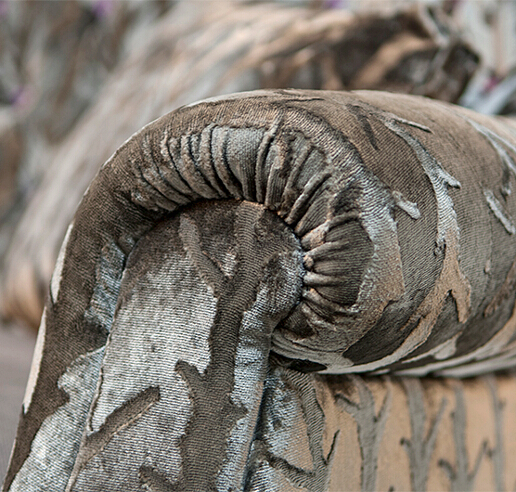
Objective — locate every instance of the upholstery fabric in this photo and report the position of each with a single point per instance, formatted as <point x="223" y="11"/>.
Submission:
<point x="192" y="51"/>
<point x="249" y="287"/>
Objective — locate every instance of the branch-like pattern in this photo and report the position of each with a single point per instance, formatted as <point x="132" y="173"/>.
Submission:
<point x="237" y="264"/>
<point x="214" y="414"/>
<point x="451" y="279"/>
<point x="121" y="418"/>
<point x="420" y="447"/>
<point x="497" y="453"/>
<point x="460" y="477"/>
<point x="370" y="427"/>
<point x="301" y="387"/>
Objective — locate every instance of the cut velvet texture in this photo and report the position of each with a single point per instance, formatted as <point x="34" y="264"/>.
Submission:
<point x="193" y="51"/>
<point x="236" y="245"/>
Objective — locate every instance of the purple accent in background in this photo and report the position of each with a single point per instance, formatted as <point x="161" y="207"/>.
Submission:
<point x="4" y="7"/>
<point x="335" y="4"/>
<point x="20" y="97"/>
<point x="102" y="8"/>
<point x="492" y="82"/>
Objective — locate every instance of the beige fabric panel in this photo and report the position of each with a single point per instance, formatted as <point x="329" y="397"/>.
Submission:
<point x="439" y="434"/>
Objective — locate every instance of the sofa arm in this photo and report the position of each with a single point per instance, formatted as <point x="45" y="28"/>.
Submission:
<point x="235" y="245"/>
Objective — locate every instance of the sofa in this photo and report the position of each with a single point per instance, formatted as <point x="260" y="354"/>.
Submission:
<point x="284" y="290"/>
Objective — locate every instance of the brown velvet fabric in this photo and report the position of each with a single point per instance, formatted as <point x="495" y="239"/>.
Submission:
<point x="114" y="71"/>
<point x="236" y="244"/>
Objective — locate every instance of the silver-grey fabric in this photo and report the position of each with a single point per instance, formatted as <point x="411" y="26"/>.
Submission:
<point x="114" y="69"/>
<point x="236" y="246"/>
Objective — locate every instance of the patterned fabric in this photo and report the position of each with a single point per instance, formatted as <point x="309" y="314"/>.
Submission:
<point x="83" y="109"/>
<point x="235" y="267"/>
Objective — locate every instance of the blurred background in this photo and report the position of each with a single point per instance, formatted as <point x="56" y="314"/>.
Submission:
<point x="77" y="78"/>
